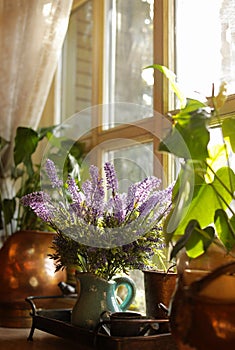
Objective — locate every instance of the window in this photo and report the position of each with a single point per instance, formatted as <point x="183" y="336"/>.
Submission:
<point x="205" y="53"/>
<point x="120" y="125"/>
<point x="77" y="62"/>
<point x="108" y="44"/>
<point x="205" y="44"/>
<point x="128" y="49"/>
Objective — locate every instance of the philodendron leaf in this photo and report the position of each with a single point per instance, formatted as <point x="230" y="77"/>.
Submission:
<point x="199" y="241"/>
<point x="172" y="80"/>
<point x="225" y="228"/>
<point x="187" y="112"/>
<point x="175" y="144"/>
<point x="206" y="199"/>
<point x="46" y="132"/>
<point x="228" y="128"/>
<point x="189" y="136"/>
<point x="26" y="141"/>
<point x="182" y="195"/>
<point x="8" y="207"/>
<point x="182" y="241"/>
<point x="195" y="240"/>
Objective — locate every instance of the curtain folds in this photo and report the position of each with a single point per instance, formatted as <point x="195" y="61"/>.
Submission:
<point x="31" y="37"/>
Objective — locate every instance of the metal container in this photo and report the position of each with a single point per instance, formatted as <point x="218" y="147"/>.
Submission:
<point x="26" y="269"/>
<point x="159" y="287"/>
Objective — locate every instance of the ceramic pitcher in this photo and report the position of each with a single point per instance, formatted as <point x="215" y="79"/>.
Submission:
<point x="96" y="295"/>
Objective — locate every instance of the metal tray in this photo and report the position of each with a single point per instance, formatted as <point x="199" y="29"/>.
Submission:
<point x="57" y="322"/>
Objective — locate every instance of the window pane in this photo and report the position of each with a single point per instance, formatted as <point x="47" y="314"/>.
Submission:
<point x="205" y="44"/>
<point x="132" y="164"/>
<point x="77" y="63"/>
<point x="129" y="47"/>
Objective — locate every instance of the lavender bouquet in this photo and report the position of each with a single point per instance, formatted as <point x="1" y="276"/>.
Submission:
<point x="98" y="229"/>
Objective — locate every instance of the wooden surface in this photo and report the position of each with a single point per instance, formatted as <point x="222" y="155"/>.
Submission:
<point x="16" y="339"/>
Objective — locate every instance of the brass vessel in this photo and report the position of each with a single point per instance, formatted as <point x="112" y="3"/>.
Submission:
<point x="26" y="269"/>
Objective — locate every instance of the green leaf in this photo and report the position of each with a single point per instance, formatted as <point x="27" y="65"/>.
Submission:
<point x="225" y="228"/>
<point x="182" y="195"/>
<point x="77" y="151"/>
<point x="172" y="80"/>
<point x="223" y="186"/>
<point x="60" y="142"/>
<point x="205" y="199"/>
<point x="26" y="141"/>
<point x="182" y="241"/>
<point x="195" y="240"/>
<point x="199" y="241"/>
<point x="190" y="107"/>
<point x="228" y="128"/>
<point x="175" y="144"/>
<point x="8" y="207"/>
<point x="46" y="132"/>
<point x="189" y="137"/>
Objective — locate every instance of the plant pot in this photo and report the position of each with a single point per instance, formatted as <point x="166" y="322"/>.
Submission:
<point x="159" y="287"/>
<point x="26" y="269"/>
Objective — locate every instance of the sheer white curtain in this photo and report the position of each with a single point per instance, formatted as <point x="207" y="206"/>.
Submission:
<point x="31" y="37"/>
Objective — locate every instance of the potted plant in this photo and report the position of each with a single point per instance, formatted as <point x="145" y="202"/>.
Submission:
<point x="102" y="236"/>
<point x="27" y="240"/>
<point x="200" y="226"/>
<point x="24" y="175"/>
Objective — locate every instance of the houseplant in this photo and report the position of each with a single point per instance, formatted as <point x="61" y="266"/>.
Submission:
<point x="24" y="175"/>
<point x="200" y="227"/>
<point x="102" y="236"/>
<point x="23" y="256"/>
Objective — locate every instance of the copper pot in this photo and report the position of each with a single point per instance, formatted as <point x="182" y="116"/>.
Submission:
<point x="202" y="314"/>
<point x="159" y="287"/>
<point x="26" y="269"/>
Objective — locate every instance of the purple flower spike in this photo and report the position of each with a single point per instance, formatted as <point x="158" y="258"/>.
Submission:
<point x="118" y="207"/>
<point x="103" y="234"/>
<point x="39" y="203"/>
<point x="97" y="194"/>
<point x="87" y="190"/>
<point x="74" y="191"/>
<point x="52" y="174"/>
<point x="111" y="177"/>
<point x="94" y="193"/>
<point x="150" y="203"/>
<point x="145" y="187"/>
<point x="130" y="200"/>
<point x="94" y="174"/>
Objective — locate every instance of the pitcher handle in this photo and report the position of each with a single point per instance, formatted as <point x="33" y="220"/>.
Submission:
<point x="131" y="290"/>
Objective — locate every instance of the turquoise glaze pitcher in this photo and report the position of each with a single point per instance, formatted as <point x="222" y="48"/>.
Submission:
<point x="96" y="295"/>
